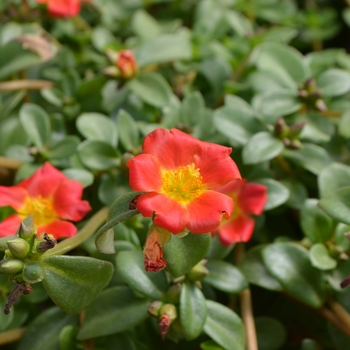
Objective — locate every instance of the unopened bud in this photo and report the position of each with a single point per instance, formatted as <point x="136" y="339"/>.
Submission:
<point x="295" y="130"/>
<point x="27" y="229"/>
<point x="281" y="128"/>
<point x="168" y="314"/>
<point x="303" y="94"/>
<point x="320" y="105"/>
<point x="198" y="272"/>
<point x="33" y="273"/>
<point x="127" y="64"/>
<point x="11" y="266"/>
<point x="154" y="308"/>
<point x="111" y="71"/>
<point x="310" y="84"/>
<point x="19" y="247"/>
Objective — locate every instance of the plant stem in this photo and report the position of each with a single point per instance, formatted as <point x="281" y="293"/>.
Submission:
<point x="340" y="312"/>
<point x="11" y="336"/>
<point x="25" y="84"/>
<point x="331" y="317"/>
<point x="70" y="243"/>
<point x="9" y="163"/>
<point x="246" y="306"/>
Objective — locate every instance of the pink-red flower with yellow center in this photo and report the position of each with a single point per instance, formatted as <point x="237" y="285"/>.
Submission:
<point x="249" y="198"/>
<point x="126" y="64"/>
<point x="50" y="197"/>
<point x="63" y="8"/>
<point x="179" y="174"/>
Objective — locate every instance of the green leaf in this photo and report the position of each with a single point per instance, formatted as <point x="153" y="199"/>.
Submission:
<point x="67" y="337"/>
<point x="63" y="148"/>
<point x="217" y="250"/>
<point x="339" y="236"/>
<point x="311" y="157"/>
<point x="149" y="284"/>
<point x="101" y="37"/>
<point x="49" y="323"/>
<point x="261" y="147"/>
<point x="151" y="88"/>
<point x="239" y="23"/>
<point x="85" y="177"/>
<point x="36" y="123"/>
<point x="72" y="282"/>
<point x="165" y="48"/>
<point x="193" y="109"/>
<point x="15" y="58"/>
<point x="115" y="310"/>
<point x="344" y="125"/>
<point x="193" y="310"/>
<point x="297" y="192"/>
<point x="224" y="326"/>
<point x="96" y="126"/>
<point x="181" y="254"/>
<point x="225" y="277"/>
<point x="236" y="122"/>
<point x="144" y="25"/>
<point x="271" y="333"/>
<point x="333" y="82"/>
<point x="332" y="178"/>
<point x="210" y="345"/>
<point x="54" y="96"/>
<point x="289" y="263"/>
<point x="119" y="211"/>
<point x="98" y="155"/>
<point x="253" y="267"/>
<point x="316" y="224"/>
<point x="128" y="130"/>
<point x="337" y="204"/>
<point x="319" y="257"/>
<point x="277" y="193"/>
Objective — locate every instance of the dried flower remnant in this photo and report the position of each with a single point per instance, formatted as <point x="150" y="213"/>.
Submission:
<point x="179" y="174"/>
<point x="50" y="197"/>
<point x="249" y="198"/>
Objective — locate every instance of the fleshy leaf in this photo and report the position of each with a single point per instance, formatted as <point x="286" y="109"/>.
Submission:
<point x="72" y="282"/>
<point x="319" y="257"/>
<point x="181" y="254"/>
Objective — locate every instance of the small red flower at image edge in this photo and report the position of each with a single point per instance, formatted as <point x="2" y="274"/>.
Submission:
<point x="249" y="198"/>
<point x="179" y="174"/>
<point x="50" y="197"/>
<point x="63" y="8"/>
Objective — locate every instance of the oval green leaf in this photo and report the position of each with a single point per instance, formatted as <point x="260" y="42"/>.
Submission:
<point x="319" y="257"/>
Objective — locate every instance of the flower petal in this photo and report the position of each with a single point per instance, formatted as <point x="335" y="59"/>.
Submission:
<point x="145" y="173"/>
<point x="165" y="145"/>
<point x="59" y="229"/>
<point x="169" y="214"/>
<point x="252" y="198"/>
<point x="13" y="196"/>
<point x="9" y="226"/>
<point x="205" y="212"/>
<point x="216" y="166"/>
<point x="43" y="182"/>
<point x="238" y="230"/>
<point x="67" y="201"/>
<point x="63" y="8"/>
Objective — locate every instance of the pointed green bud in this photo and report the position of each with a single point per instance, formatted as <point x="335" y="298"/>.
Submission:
<point x="33" y="273"/>
<point x="27" y="229"/>
<point x="310" y="84"/>
<point x="281" y="128"/>
<point x="295" y="130"/>
<point x="154" y="308"/>
<point x="198" y="272"/>
<point x="19" y="247"/>
<point x="11" y="266"/>
<point x="320" y="105"/>
<point x="174" y="292"/>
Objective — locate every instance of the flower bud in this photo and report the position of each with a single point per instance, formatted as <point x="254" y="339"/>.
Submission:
<point x="11" y="266"/>
<point x="168" y="314"/>
<point x="154" y="308"/>
<point x="281" y="128"/>
<point x="27" y="229"/>
<point x="127" y="64"/>
<point x="320" y="105"/>
<point x="157" y="237"/>
<point x="198" y="272"/>
<point x="33" y="273"/>
<point x="19" y="247"/>
<point x="295" y="130"/>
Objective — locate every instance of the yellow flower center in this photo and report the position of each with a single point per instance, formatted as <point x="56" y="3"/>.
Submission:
<point x="183" y="184"/>
<point x="40" y="208"/>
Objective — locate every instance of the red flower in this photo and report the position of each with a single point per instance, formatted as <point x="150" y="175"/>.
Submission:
<point x="180" y="174"/>
<point x="50" y="197"/>
<point x="249" y="198"/>
<point x="127" y="64"/>
<point x="62" y="8"/>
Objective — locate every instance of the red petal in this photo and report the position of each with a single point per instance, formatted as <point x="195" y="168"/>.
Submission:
<point x="145" y="173"/>
<point x="216" y="166"/>
<point x="67" y="201"/>
<point x="58" y="228"/>
<point x="63" y="8"/>
<point x="205" y="212"/>
<point x="170" y="215"/>
<point x="173" y="148"/>
<point x="252" y="198"/>
<point x="44" y="181"/>
<point x="238" y="230"/>
<point x="9" y="226"/>
<point x="232" y="188"/>
<point x="13" y="196"/>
